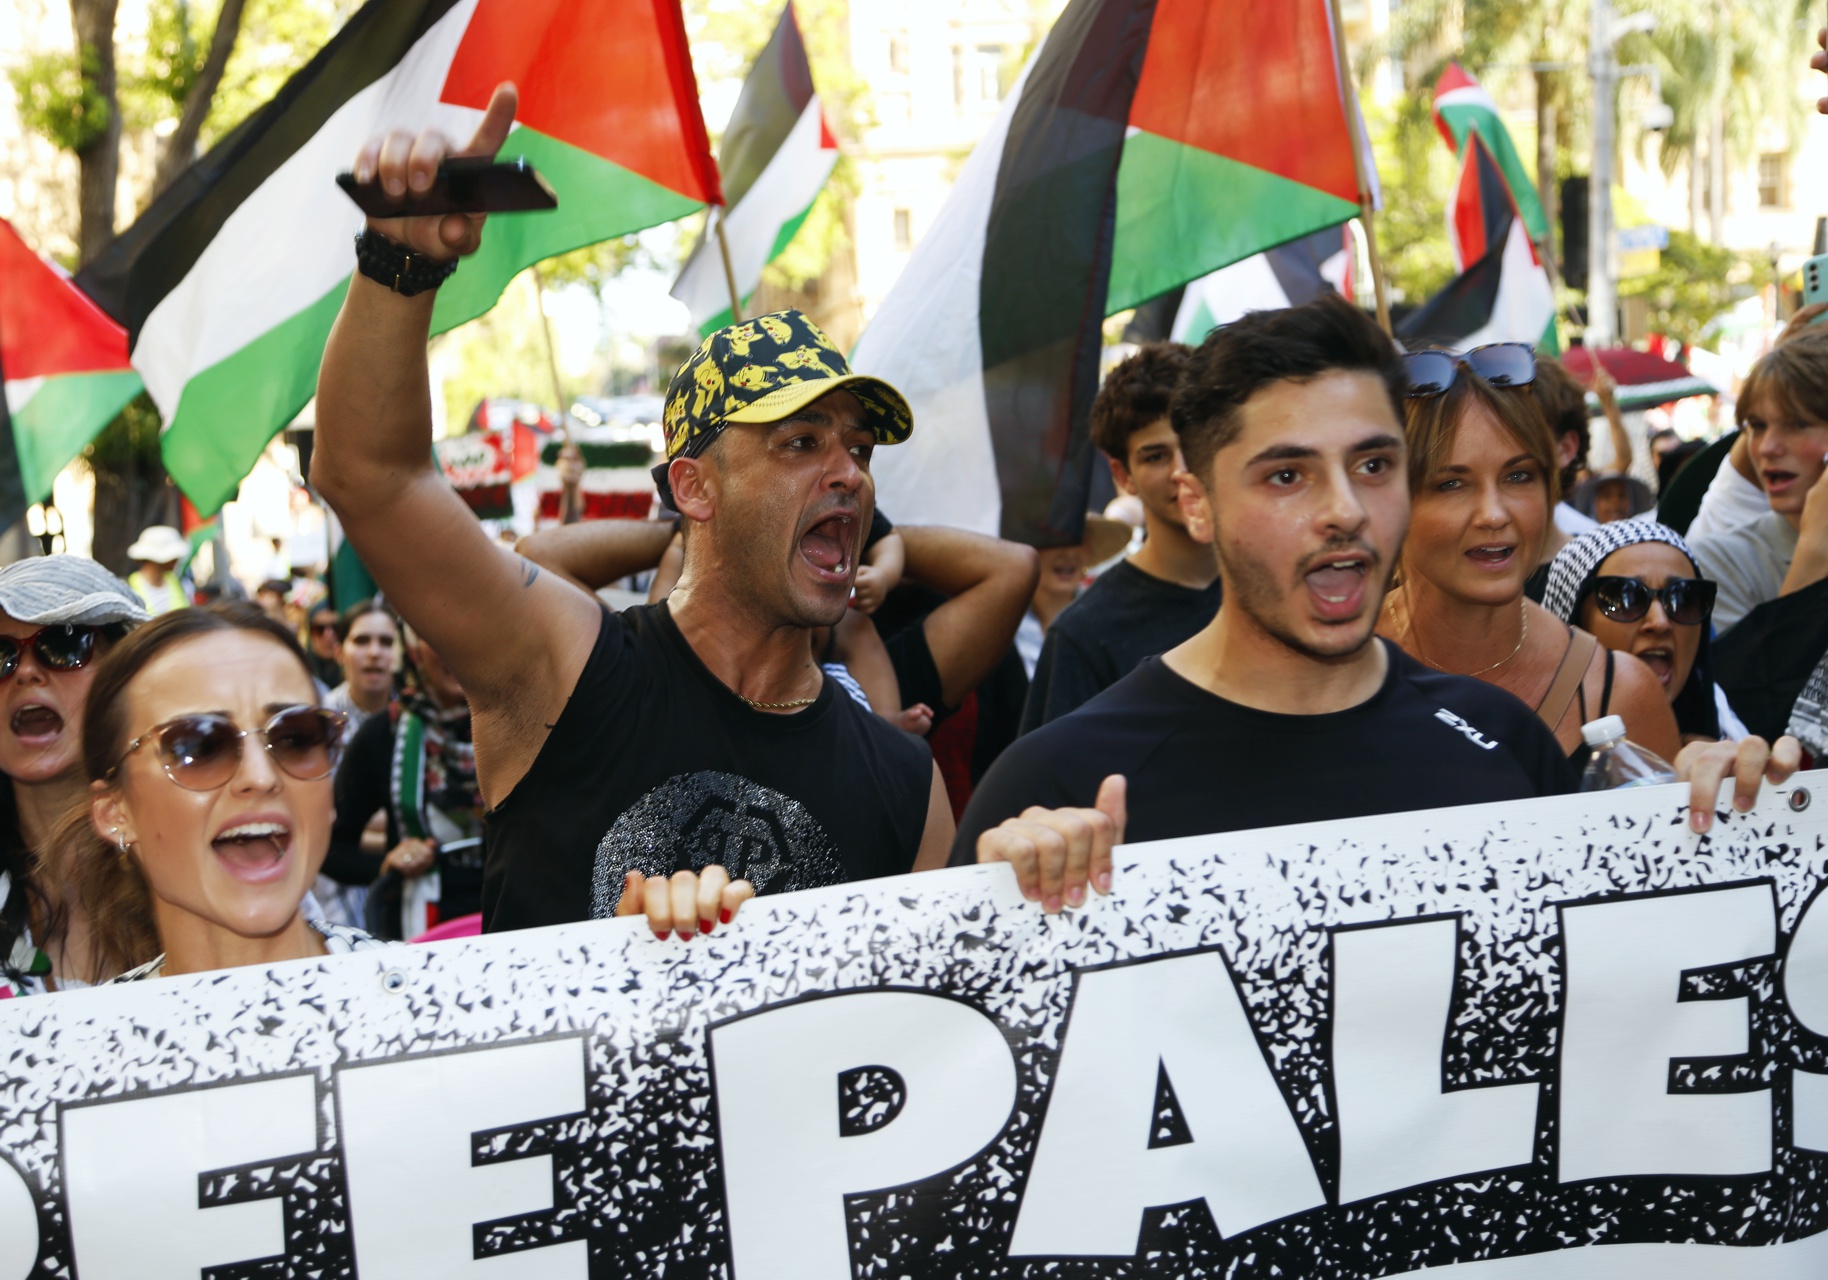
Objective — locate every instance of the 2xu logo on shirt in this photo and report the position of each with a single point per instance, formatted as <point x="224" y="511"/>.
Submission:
<point x="1508" y="1032"/>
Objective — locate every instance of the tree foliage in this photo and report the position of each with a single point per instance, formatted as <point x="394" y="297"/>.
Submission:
<point x="57" y="97"/>
<point x="1694" y="283"/>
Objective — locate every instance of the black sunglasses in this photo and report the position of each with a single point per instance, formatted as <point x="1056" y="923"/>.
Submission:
<point x="62" y="648"/>
<point x="202" y="752"/>
<point x="1687" y="601"/>
<point x="1503" y="364"/>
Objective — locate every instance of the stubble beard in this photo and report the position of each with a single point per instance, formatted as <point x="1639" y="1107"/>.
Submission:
<point x="1251" y="586"/>
<point x="762" y="584"/>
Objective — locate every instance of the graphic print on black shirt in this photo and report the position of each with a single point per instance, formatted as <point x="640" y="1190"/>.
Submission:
<point x="1197" y="763"/>
<point x="1125" y="616"/>
<point x="656" y="766"/>
<point x="704" y="819"/>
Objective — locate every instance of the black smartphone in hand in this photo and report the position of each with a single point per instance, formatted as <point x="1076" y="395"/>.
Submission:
<point x="467" y="184"/>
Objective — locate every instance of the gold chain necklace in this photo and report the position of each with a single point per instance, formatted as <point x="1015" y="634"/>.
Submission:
<point x="778" y="706"/>
<point x="1523" y="614"/>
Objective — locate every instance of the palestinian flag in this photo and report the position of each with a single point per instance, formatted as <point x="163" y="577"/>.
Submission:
<point x="775" y="157"/>
<point x="1505" y="294"/>
<point x="1286" y="276"/>
<point x="1480" y="210"/>
<point x="229" y="283"/>
<point x="1147" y="143"/>
<point x="1462" y="109"/>
<point x="66" y="374"/>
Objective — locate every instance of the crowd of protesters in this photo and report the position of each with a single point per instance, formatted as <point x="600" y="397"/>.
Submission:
<point x="1356" y="588"/>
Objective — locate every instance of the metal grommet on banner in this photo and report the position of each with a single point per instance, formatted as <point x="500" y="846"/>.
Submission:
<point x="1799" y="799"/>
<point x="394" y="980"/>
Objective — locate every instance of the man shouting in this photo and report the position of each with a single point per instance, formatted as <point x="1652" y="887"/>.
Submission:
<point x="642" y="760"/>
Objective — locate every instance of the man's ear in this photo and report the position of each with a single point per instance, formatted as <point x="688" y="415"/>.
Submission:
<point x="1195" y="504"/>
<point x="1120" y="476"/>
<point x="694" y="487"/>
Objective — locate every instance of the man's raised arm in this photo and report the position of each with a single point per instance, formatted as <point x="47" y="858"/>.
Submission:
<point x="516" y="637"/>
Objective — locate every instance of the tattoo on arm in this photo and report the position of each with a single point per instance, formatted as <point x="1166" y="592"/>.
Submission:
<point x="528" y="572"/>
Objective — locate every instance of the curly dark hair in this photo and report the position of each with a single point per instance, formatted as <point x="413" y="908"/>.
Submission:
<point x="1294" y="344"/>
<point x="1136" y="394"/>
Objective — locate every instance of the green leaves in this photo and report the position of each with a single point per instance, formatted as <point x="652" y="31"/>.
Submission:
<point x="58" y="99"/>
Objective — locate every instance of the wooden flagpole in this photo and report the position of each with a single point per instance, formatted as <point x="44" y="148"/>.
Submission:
<point x="1367" y="209"/>
<point x="723" y="250"/>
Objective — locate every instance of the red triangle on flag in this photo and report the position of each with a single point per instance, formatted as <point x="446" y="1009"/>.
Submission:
<point x="1257" y="83"/>
<point x="47" y="325"/>
<point x="612" y="77"/>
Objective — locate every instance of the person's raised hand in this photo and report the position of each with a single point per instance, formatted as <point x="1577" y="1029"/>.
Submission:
<point x="404" y="162"/>
<point x="1820" y="62"/>
<point x="687" y="902"/>
<point x="1057" y="852"/>
<point x="1813" y="527"/>
<point x="1800" y="322"/>
<point x="412" y="857"/>
<point x="1750" y="761"/>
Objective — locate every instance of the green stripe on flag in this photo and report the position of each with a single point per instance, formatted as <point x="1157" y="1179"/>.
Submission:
<point x="1183" y="212"/>
<point x="61" y="418"/>
<point x="591" y="191"/>
<point x="223" y="417"/>
<point x="1463" y="118"/>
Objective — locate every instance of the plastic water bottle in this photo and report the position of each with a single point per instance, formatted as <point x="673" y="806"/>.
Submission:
<point x="1618" y="763"/>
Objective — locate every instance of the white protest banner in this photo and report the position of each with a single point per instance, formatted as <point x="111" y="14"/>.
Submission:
<point x="1557" y="1038"/>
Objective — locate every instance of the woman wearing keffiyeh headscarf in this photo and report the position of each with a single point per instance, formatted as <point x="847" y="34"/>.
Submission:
<point x="1634" y="584"/>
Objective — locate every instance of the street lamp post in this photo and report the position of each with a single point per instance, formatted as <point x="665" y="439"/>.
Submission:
<point x="1602" y="262"/>
<point x="1602" y="305"/>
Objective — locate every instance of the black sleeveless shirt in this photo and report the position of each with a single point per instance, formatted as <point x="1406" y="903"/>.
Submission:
<point x="656" y="766"/>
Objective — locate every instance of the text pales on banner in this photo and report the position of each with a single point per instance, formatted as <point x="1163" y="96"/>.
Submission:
<point x="1542" y="1039"/>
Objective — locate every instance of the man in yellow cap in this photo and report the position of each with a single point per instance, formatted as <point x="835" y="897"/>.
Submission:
<point x="666" y="758"/>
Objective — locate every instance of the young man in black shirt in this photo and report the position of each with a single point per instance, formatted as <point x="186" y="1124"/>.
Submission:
<point x="1285" y="708"/>
<point x="638" y="760"/>
<point x="1151" y="601"/>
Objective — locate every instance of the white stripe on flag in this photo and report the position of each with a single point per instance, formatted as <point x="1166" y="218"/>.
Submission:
<point x="1470" y="97"/>
<point x="291" y="240"/>
<point x="783" y="191"/>
<point x="924" y="340"/>
<point x="1226" y="295"/>
<point x="19" y="392"/>
<point x="1525" y="302"/>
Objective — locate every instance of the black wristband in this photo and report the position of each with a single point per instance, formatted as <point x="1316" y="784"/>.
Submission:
<point x="391" y="263"/>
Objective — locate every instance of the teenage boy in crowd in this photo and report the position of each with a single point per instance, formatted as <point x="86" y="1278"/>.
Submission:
<point x="1151" y="601"/>
<point x="639" y="760"/>
<point x="1285" y="707"/>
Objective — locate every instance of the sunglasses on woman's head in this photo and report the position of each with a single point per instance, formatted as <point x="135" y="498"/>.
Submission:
<point x="1502" y="364"/>
<point x="202" y="752"/>
<point x="1686" y="601"/>
<point x="62" y="648"/>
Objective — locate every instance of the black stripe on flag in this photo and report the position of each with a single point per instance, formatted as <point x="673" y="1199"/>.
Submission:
<point x="12" y="483"/>
<point x="1047" y="263"/>
<point x="773" y="98"/>
<point x="144" y="263"/>
<point x="1465" y="305"/>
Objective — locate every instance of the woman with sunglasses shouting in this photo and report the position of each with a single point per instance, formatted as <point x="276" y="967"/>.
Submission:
<point x="210" y="806"/>
<point x="1635" y="586"/>
<point x="1483" y="483"/>
<point x="58" y="616"/>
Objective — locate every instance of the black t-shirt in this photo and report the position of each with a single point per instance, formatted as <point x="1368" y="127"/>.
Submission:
<point x="656" y="766"/>
<point x="1125" y="616"/>
<point x="1197" y="763"/>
